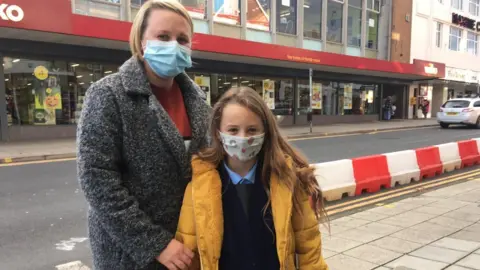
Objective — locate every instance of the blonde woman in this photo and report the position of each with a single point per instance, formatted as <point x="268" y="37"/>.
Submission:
<point x="138" y="130"/>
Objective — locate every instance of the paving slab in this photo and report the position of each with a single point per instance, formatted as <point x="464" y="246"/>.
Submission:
<point x="439" y="254"/>
<point x="370" y="216"/>
<point x="361" y="236"/>
<point x="373" y="254"/>
<point x="456" y="267"/>
<point x="380" y="228"/>
<point x="349" y="222"/>
<point x="407" y="219"/>
<point x="338" y="245"/>
<point x="421" y="237"/>
<point x="344" y="262"/>
<point x="450" y="222"/>
<point x="417" y="263"/>
<point x="396" y="244"/>
<point x="466" y="235"/>
<point x="457" y="244"/>
<point x="471" y="261"/>
<point x="462" y="215"/>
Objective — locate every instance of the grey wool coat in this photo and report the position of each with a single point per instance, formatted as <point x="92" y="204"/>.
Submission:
<point x="133" y="166"/>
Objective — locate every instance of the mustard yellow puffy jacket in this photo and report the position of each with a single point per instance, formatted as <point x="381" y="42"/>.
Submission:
<point x="200" y="226"/>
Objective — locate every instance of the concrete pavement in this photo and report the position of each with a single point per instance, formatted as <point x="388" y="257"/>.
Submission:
<point x="437" y="230"/>
<point x="65" y="148"/>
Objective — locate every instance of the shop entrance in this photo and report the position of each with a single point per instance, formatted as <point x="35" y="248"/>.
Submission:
<point x="399" y="99"/>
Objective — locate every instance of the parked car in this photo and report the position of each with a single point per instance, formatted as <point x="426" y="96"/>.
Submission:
<point x="460" y="111"/>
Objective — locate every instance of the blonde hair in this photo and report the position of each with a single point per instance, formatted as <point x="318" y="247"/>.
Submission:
<point x="274" y="152"/>
<point x="141" y="20"/>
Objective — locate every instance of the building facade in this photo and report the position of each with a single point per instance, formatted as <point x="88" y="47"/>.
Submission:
<point x="51" y="54"/>
<point x="446" y="31"/>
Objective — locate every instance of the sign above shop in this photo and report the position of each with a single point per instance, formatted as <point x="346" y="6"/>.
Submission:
<point x="465" y="22"/>
<point x="455" y="74"/>
<point x="429" y="68"/>
<point x="12" y="13"/>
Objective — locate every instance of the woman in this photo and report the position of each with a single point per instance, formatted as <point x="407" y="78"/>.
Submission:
<point x="138" y="130"/>
<point x="247" y="206"/>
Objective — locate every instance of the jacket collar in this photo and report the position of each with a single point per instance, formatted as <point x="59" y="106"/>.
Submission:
<point x="207" y="201"/>
<point x="135" y="82"/>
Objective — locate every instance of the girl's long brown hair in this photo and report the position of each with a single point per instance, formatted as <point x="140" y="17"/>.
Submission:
<point x="275" y="148"/>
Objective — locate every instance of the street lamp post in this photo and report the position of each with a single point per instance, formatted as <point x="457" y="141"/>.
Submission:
<point x="310" y="110"/>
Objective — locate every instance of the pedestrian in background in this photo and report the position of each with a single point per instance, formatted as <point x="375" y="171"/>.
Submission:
<point x="387" y="108"/>
<point x="138" y="130"/>
<point x="248" y="204"/>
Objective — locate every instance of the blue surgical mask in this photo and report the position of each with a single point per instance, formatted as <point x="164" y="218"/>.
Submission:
<point x="167" y="58"/>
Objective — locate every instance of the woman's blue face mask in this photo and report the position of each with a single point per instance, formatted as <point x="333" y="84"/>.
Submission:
<point x="167" y="58"/>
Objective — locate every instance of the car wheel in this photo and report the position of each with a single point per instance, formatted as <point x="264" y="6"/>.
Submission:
<point x="444" y="125"/>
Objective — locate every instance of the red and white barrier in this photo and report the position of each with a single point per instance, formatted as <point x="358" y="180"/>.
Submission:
<point x="372" y="173"/>
<point x="337" y="179"/>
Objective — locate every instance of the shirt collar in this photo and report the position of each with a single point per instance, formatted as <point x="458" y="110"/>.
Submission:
<point x="236" y="178"/>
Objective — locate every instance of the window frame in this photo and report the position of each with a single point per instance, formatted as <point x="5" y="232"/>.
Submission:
<point x="475" y="3"/>
<point x="474" y="41"/>
<point x="371" y="5"/>
<point x="278" y="16"/>
<point x="459" y="2"/>
<point x="438" y="34"/>
<point x="459" y="39"/>
<point x="348" y="37"/>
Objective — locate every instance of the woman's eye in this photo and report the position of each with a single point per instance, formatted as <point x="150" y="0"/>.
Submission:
<point x="182" y="41"/>
<point x="164" y="37"/>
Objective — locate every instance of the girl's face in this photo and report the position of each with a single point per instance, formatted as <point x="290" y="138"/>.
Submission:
<point x="240" y="122"/>
<point x="166" y="25"/>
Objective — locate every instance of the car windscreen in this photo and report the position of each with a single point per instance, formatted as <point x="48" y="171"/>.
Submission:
<point x="457" y="104"/>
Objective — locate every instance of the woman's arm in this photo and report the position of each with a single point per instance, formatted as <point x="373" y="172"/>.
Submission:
<point x="308" y="242"/>
<point x="99" y="159"/>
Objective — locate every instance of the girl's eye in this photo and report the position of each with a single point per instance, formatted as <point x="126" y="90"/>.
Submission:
<point x="233" y="130"/>
<point x="252" y="130"/>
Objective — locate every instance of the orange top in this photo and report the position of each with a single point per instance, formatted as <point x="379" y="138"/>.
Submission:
<point x="172" y="102"/>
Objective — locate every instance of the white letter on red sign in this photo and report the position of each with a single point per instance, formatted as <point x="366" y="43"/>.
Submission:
<point x="11" y="13"/>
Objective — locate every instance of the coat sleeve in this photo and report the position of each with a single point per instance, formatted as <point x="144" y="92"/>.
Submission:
<point x="99" y="163"/>
<point x="308" y="242"/>
<point x="186" y="232"/>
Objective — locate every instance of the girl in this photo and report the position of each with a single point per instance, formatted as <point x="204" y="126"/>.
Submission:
<point x="247" y="206"/>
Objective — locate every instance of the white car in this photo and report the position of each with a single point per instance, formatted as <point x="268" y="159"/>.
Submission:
<point x="460" y="111"/>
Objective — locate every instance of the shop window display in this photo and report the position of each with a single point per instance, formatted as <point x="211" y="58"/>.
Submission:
<point x="277" y="93"/>
<point x="47" y="92"/>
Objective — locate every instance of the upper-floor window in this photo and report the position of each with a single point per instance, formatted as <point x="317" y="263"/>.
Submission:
<point x="312" y="19"/>
<point x="373" y="20"/>
<point x="196" y="8"/>
<point x="108" y="9"/>
<point x="455" y="38"/>
<point x="472" y="43"/>
<point x="354" y="28"/>
<point x="438" y="35"/>
<point x="335" y="21"/>
<point x="474" y="7"/>
<point x="373" y="5"/>
<point x="287" y="16"/>
<point x="457" y="4"/>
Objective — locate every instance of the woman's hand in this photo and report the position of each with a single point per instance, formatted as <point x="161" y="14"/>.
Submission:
<point x="176" y="256"/>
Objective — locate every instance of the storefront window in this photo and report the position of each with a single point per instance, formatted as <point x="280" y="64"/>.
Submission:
<point x="303" y="100"/>
<point x="372" y="30"/>
<point x="335" y="21"/>
<point x="227" y="11"/>
<point x="108" y="9"/>
<point x="312" y="19"/>
<point x="258" y="14"/>
<point x="357" y="99"/>
<point x="196" y="8"/>
<point x="47" y="92"/>
<point x="287" y="16"/>
<point x="354" y="29"/>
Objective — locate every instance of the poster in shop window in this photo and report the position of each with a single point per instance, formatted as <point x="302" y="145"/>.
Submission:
<point x="317" y="96"/>
<point x="204" y="83"/>
<point x="269" y="93"/>
<point x="48" y="100"/>
<point x="347" y="102"/>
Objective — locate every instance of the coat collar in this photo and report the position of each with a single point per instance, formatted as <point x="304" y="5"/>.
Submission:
<point x="135" y="82"/>
<point x="207" y="201"/>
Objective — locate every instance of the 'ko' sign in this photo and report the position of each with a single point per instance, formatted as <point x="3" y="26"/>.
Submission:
<point x="11" y="13"/>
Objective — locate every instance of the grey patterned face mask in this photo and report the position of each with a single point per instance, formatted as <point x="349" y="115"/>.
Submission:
<point x="242" y="148"/>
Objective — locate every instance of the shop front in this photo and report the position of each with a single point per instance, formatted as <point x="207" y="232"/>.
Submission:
<point x="48" y="65"/>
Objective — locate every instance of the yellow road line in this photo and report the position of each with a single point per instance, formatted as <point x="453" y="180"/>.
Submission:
<point x="335" y="209"/>
<point x="36" y="162"/>
<point x="325" y="136"/>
